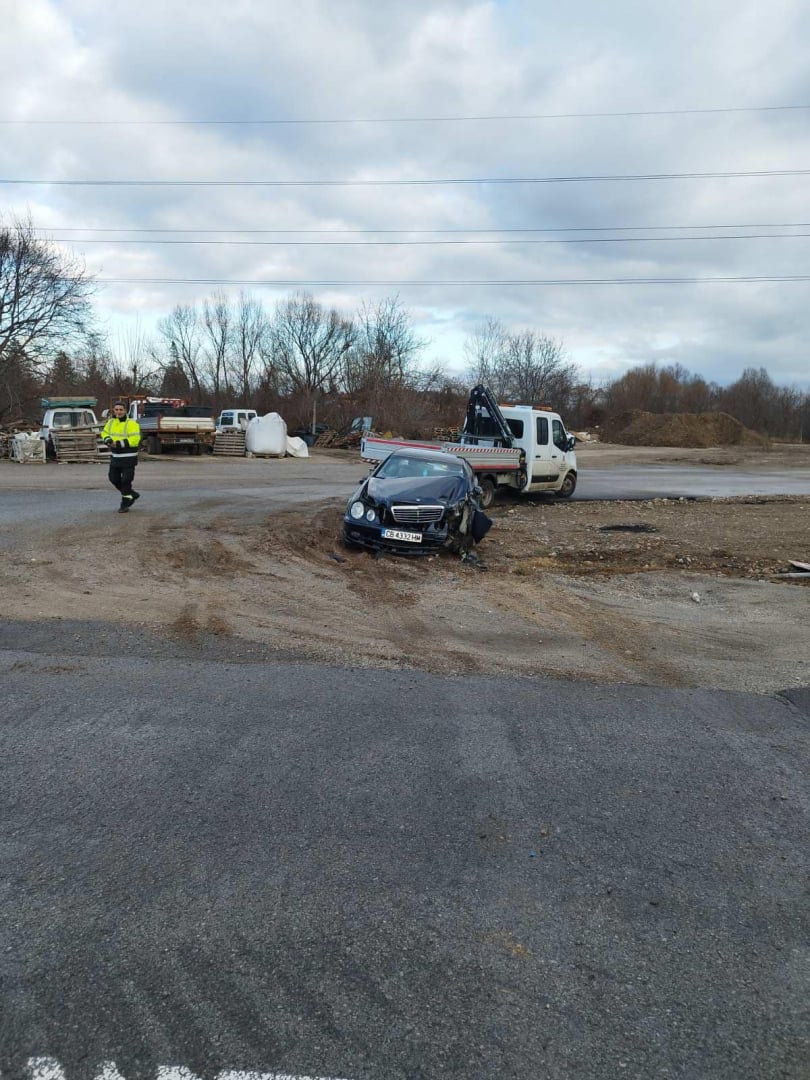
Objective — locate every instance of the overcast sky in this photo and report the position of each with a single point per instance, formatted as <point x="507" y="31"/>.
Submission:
<point x="367" y="60"/>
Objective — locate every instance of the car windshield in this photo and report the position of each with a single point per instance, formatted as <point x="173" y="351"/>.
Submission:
<point x="402" y="466"/>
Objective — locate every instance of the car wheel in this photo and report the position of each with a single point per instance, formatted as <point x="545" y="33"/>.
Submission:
<point x="487" y="497"/>
<point x="569" y="486"/>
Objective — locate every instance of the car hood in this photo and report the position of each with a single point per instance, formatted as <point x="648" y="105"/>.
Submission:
<point x="416" y="489"/>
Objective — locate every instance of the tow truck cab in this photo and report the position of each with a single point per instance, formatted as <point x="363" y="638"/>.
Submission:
<point x="548" y="459"/>
<point x="549" y="449"/>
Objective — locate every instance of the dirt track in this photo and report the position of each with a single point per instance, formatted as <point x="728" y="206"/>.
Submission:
<point x="559" y="596"/>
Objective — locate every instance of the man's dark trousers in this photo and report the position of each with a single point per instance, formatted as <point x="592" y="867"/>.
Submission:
<point x="122" y="477"/>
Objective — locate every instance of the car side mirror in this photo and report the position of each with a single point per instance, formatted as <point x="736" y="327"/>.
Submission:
<point x="572" y="442"/>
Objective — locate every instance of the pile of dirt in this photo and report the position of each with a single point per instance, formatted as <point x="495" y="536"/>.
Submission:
<point x="640" y="428"/>
<point x="204" y="557"/>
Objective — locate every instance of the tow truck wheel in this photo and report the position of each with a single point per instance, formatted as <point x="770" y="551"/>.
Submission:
<point x="487" y="493"/>
<point x="569" y="485"/>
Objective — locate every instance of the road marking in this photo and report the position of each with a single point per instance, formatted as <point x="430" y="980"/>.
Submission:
<point x="46" y="1068"/>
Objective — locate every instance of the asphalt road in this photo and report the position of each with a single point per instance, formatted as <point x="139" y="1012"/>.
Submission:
<point x="56" y="495"/>
<point x="377" y="875"/>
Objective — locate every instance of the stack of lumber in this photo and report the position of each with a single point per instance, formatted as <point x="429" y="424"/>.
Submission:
<point x="76" y="446"/>
<point x="339" y="441"/>
<point x="230" y="444"/>
<point x="346" y="442"/>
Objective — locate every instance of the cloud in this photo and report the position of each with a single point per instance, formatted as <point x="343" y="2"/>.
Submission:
<point x="88" y="59"/>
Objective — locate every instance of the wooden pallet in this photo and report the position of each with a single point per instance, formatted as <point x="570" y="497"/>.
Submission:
<point x="76" y="446"/>
<point x="326" y="438"/>
<point x="230" y="444"/>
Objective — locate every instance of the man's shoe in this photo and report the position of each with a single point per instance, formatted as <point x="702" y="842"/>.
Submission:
<point x="136" y="495"/>
<point x="123" y="508"/>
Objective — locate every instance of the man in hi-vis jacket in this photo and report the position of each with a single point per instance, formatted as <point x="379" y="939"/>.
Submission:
<point x="123" y="436"/>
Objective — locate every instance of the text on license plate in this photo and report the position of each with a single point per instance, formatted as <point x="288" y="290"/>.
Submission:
<point x="399" y="534"/>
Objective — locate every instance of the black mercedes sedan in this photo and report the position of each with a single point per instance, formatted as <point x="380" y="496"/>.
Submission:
<point x="417" y="501"/>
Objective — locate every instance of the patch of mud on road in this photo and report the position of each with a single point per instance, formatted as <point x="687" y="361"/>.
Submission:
<point x="670" y="592"/>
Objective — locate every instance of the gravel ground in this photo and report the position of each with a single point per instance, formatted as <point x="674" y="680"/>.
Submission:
<point x="664" y="592"/>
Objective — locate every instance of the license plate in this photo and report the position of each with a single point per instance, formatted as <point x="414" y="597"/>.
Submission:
<point x="399" y="534"/>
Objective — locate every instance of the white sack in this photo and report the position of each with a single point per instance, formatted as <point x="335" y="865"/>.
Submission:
<point x="296" y="447"/>
<point x="26" y="448"/>
<point x="266" y="436"/>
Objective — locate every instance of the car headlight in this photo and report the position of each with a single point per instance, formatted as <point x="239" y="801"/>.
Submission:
<point x="356" y="510"/>
<point x="371" y="514"/>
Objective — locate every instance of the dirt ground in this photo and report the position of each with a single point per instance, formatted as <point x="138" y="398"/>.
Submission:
<point x="680" y="594"/>
<point x="774" y="456"/>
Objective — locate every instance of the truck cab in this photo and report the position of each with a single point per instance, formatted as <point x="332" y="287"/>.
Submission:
<point x="547" y="450"/>
<point x="551" y="463"/>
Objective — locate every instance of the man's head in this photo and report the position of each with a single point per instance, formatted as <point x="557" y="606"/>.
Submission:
<point x="119" y="410"/>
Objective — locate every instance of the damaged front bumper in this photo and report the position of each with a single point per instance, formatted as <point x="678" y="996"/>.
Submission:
<point x="459" y="531"/>
<point x="377" y="537"/>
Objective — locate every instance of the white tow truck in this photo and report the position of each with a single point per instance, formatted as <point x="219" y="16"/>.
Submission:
<point x="521" y="447"/>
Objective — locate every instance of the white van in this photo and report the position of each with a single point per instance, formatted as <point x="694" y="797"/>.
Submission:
<point x="235" y="419"/>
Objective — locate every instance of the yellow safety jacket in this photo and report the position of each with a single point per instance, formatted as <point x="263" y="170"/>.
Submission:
<point x="126" y="436"/>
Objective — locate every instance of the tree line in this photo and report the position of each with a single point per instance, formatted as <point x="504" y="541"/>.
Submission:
<point x="313" y="362"/>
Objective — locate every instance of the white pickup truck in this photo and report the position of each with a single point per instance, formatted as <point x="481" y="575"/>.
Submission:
<point x="515" y="446"/>
<point x="66" y="416"/>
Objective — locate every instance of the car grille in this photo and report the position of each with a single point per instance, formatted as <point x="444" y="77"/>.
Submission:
<point x="416" y="515"/>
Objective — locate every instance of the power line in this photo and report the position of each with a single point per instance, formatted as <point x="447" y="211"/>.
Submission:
<point x="454" y="181"/>
<point x="418" y="232"/>
<point x="401" y="284"/>
<point x="485" y="118"/>
<point x="438" y="243"/>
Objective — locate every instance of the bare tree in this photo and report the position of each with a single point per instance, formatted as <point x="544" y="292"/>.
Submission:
<point x="385" y="348"/>
<point x="535" y="368"/>
<point x="484" y="350"/>
<point x="181" y="332"/>
<point x="524" y="366"/>
<point x="44" y="295"/>
<point x="309" y="344"/>
<point x="19" y="388"/>
<point x="134" y="365"/>
<point x="248" y="337"/>
<point x="216" y="334"/>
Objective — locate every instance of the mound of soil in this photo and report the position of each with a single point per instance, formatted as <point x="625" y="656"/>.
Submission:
<point x="640" y="428"/>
